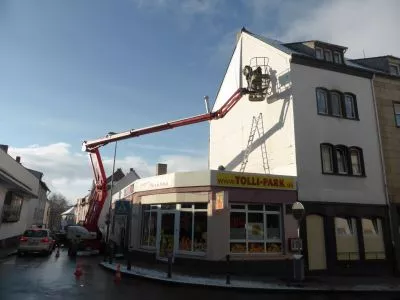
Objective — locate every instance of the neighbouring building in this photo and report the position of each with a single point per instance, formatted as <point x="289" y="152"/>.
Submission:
<point x="82" y="204"/>
<point x="205" y="215"/>
<point x="18" y="187"/>
<point x="386" y="86"/>
<point x="118" y="224"/>
<point x="68" y="218"/>
<point x="317" y="123"/>
<point x="39" y="204"/>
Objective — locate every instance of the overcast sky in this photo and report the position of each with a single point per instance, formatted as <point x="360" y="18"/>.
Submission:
<point x="75" y="70"/>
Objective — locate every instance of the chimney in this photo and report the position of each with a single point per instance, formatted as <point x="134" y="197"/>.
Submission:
<point x="161" y="169"/>
<point x="4" y="148"/>
<point x="18" y="159"/>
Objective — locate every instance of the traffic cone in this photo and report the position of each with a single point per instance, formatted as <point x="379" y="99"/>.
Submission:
<point x="117" y="277"/>
<point x="78" y="270"/>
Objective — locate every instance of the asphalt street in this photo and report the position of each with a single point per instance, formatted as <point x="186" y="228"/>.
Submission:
<point x="48" y="277"/>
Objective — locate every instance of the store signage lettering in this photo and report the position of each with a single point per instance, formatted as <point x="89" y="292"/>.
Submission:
<point x="256" y="181"/>
<point x="159" y="182"/>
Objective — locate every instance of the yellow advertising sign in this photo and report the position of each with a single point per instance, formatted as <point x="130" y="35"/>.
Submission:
<point x="274" y="182"/>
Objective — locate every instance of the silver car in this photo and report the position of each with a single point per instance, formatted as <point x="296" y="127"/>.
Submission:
<point x="36" y="240"/>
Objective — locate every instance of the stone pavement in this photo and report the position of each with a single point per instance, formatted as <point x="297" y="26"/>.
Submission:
<point x="317" y="284"/>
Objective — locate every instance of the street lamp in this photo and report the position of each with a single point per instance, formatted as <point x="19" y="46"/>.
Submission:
<point x="298" y="213"/>
<point x="111" y="190"/>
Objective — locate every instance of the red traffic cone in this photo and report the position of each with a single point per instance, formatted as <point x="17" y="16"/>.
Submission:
<point x="117" y="277"/>
<point x="78" y="271"/>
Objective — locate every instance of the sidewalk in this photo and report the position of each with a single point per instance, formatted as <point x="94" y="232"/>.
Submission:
<point x="5" y="252"/>
<point x="322" y="284"/>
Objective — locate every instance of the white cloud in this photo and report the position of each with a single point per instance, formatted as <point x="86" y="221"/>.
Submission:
<point x="70" y="173"/>
<point x="368" y="25"/>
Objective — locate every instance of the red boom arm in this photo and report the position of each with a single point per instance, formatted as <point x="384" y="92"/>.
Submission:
<point x="99" y="195"/>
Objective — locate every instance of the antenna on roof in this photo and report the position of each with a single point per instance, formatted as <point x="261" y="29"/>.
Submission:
<point x="364" y="53"/>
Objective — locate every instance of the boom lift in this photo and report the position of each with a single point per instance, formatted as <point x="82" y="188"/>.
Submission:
<point x="92" y="236"/>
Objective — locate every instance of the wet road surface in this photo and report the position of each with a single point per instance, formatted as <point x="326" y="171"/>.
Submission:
<point x="38" y="277"/>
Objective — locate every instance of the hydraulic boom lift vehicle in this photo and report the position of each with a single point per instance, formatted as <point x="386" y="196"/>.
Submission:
<point x="88" y="236"/>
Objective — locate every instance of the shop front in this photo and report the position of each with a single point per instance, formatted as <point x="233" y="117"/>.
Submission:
<point x="208" y="215"/>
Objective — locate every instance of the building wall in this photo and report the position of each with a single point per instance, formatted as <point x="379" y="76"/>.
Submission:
<point x="9" y="165"/>
<point x="387" y="90"/>
<point x="12" y="229"/>
<point x="229" y="136"/>
<point x="312" y="129"/>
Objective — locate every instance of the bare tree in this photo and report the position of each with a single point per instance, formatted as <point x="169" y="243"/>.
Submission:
<point x="58" y="204"/>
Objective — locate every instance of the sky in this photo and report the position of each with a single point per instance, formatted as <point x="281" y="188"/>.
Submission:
<point x="75" y="70"/>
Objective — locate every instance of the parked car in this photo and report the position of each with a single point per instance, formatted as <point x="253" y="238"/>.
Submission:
<point x="36" y="240"/>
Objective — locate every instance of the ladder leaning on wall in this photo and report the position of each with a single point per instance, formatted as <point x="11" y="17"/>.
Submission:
<point x="257" y="125"/>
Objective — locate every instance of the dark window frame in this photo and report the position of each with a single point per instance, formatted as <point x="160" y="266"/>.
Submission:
<point x="361" y="157"/>
<point x="12" y="213"/>
<point x="327" y="100"/>
<point x="342" y="104"/>
<point x="347" y="156"/>
<point x="331" y="147"/>
<point x="322" y="50"/>
<point x="394" y="113"/>
<point x="356" y="117"/>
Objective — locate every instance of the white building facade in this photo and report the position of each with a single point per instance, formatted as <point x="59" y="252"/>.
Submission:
<point x="317" y="123"/>
<point x="18" y="188"/>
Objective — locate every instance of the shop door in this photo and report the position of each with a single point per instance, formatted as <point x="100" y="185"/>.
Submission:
<point x="316" y="243"/>
<point x="167" y="231"/>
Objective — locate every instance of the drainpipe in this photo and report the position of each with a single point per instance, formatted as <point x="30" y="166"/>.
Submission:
<point x="387" y="198"/>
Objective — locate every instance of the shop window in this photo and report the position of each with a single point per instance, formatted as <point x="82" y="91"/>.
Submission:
<point x="373" y="238"/>
<point x="346" y="239"/>
<point x="12" y="207"/>
<point x="149" y="226"/>
<point x="193" y="228"/>
<point x="255" y="228"/>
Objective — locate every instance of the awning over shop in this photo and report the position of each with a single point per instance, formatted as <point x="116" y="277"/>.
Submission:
<point x="15" y="183"/>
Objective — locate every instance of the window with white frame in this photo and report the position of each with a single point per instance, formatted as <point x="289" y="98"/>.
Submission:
<point x="193" y="227"/>
<point x="337" y="57"/>
<point x="255" y="228"/>
<point x="149" y="226"/>
<point x="336" y="104"/>
<point x="322" y="101"/>
<point x="319" y="53"/>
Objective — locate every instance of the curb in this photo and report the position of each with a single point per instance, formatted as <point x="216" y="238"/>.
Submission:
<point x="274" y="288"/>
